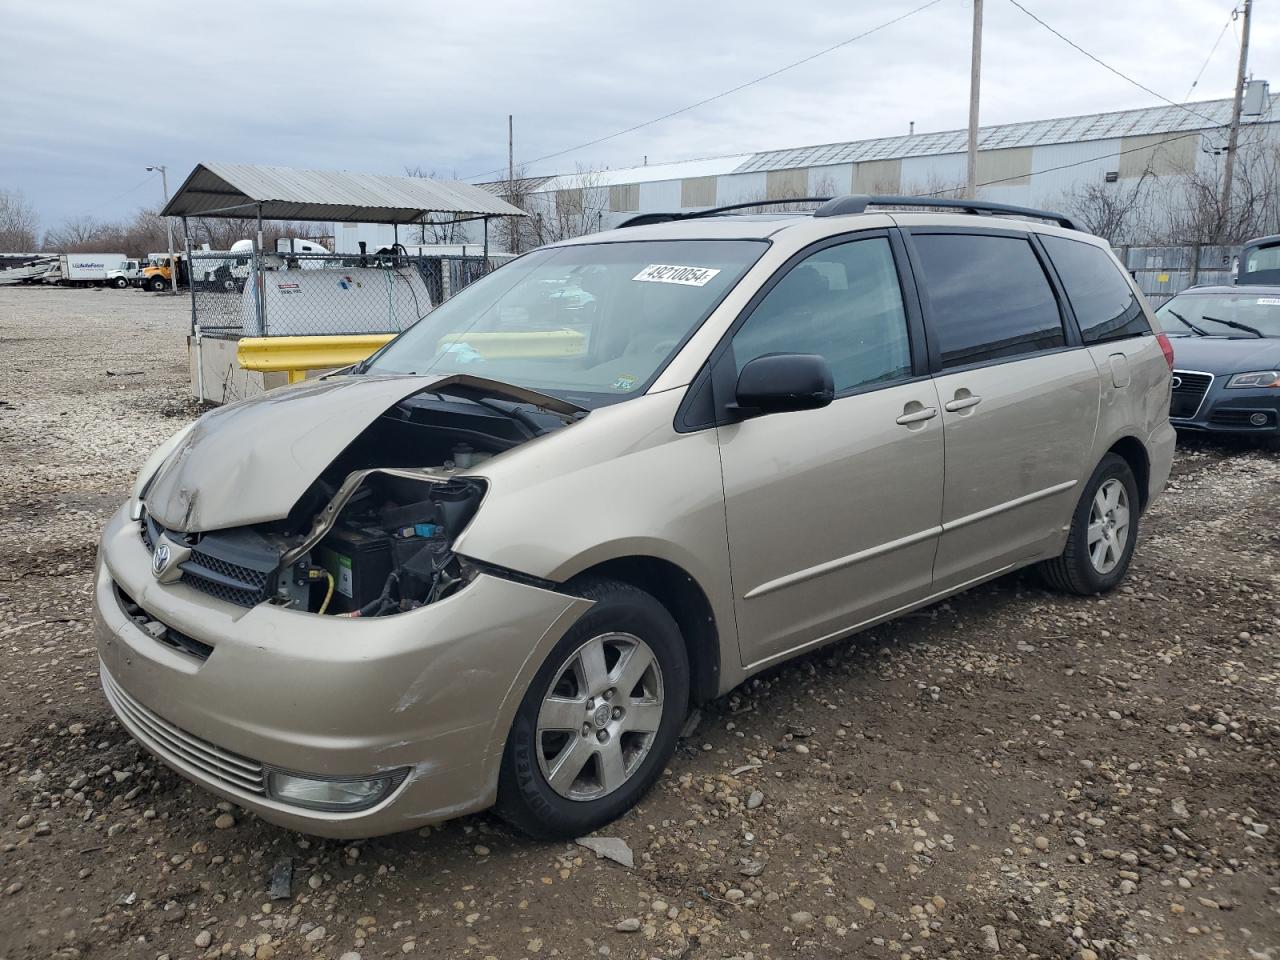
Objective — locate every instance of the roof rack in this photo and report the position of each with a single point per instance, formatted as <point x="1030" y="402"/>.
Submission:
<point x="644" y="219"/>
<point x="858" y="203"/>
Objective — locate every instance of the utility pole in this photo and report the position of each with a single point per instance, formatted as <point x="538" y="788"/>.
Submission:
<point x="1228" y="171"/>
<point x="511" y="182"/>
<point x="168" y="230"/>
<point x="975" y="78"/>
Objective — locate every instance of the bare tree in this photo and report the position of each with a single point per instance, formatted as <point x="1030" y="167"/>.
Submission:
<point x="575" y="208"/>
<point x="1195" y="213"/>
<point x="74" y="234"/>
<point x="18" y="223"/>
<point x="1119" y="212"/>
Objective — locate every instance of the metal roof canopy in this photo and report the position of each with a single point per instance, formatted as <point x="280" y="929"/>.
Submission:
<point x="248" y="191"/>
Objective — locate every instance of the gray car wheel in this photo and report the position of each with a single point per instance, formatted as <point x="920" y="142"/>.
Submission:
<point x="1104" y="530"/>
<point x="600" y="719"/>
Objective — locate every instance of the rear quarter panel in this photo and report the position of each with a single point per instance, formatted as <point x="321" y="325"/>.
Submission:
<point x="1140" y="408"/>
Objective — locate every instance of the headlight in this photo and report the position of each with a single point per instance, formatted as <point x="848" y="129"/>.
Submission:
<point x="1261" y="378"/>
<point x="337" y="795"/>
<point x="151" y="466"/>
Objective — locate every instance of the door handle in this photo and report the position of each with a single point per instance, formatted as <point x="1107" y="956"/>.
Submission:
<point x="961" y="403"/>
<point x="918" y="416"/>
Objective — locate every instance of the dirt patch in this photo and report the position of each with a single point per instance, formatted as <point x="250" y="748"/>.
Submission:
<point x="1007" y="774"/>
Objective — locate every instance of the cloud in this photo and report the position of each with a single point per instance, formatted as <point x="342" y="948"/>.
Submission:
<point x="89" y="95"/>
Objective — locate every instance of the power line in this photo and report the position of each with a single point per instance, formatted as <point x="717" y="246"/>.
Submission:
<point x="1118" y="73"/>
<point x="1214" y="49"/>
<point x="718" y="96"/>
<point x="121" y="196"/>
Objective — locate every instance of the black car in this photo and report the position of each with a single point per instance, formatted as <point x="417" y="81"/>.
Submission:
<point x="1226" y="348"/>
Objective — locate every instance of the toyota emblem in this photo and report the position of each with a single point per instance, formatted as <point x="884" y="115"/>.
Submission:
<point x="160" y="559"/>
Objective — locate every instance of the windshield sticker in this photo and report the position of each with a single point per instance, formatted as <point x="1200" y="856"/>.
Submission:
<point x="624" y="383"/>
<point x="1269" y="301"/>
<point x="667" y="273"/>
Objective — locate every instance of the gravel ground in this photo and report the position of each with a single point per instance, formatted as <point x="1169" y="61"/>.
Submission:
<point x="1010" y="773"/>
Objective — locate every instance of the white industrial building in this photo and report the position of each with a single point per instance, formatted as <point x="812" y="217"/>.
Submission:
<point x="1041" y="163"/>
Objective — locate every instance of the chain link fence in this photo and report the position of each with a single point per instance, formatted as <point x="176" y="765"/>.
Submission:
<point x="248" y="294"/>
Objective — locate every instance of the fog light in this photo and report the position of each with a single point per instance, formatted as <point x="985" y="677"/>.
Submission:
<point x="1259" y="419"/>
<point x="321" y="793"/>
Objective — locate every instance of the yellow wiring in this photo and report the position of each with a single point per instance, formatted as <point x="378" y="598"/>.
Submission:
<point x="328" y="593"/>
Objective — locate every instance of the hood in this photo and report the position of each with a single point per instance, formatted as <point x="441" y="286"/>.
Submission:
<point x="250" y="462"/>
<point x="1220" y="355"/>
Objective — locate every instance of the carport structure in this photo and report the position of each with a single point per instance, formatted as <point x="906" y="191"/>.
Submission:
<point x="239" y="305"/>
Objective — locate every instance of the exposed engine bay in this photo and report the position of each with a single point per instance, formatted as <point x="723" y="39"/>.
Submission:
<point x="372" y="535"/>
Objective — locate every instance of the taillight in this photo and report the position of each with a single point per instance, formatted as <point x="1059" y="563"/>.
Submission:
<point x="1167" y="347"/>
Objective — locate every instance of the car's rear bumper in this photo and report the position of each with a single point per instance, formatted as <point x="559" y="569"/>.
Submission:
<point x="428" y="693"/>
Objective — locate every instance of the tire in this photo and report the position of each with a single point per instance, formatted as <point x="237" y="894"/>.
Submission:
<point x="542" y="806"/>
<point x="1085" y="568"/>
<point x="157" y="284"/>
<point x="119" y="283"/>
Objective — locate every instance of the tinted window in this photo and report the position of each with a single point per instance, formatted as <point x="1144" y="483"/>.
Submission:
<point x="842" y="303"/>
<point x="989" y="297"/>
<point x="1101" y="297"/>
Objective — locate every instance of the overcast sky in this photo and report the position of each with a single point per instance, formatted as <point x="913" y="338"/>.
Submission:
<point x="90" y="93"/>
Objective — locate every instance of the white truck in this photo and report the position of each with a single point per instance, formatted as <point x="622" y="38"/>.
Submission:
<point x="125" y="275"/>
<point x="88" y="269"/>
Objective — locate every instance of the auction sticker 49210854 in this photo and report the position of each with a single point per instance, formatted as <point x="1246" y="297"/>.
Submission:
<point x="670" y="273"/>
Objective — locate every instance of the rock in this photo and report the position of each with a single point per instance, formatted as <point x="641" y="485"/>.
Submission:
<point x="611" y="848"/>
<point x="203" y="939"/>
<point x="224" y="821"/>
<point x="25" y="821"/>
<point x="1087" y="954"/>
<point x="1042" y="843"/>
<point x="315" y="933"/>
<point x="350" y="955"/>
<point x="265" y="952"/>
<point x="15" y="887"/>
<point x="480" y="850"/>
<point x="1179" y="807"/>
<point x="867" y="904"/>
<point x="755" y="799"/>
<point x="800" y="748"/>
<point x="989" y="939"/>
<point x="629" y="925"/>
<point x="734" y="895"/>
<point x="802" y="918"/>
<point x="315" y="881"/>
<point x="659" y="906"/>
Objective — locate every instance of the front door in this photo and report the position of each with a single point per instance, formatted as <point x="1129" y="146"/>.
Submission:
<point x="1019" y="401"/>
<point x="833" y="514"/>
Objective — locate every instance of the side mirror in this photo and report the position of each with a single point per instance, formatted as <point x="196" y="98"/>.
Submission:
<point x="778" y="382"/>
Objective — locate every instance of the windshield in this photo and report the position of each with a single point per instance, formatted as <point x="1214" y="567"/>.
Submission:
<point x="1259" y="311"/>
<point x="590" y="323"/>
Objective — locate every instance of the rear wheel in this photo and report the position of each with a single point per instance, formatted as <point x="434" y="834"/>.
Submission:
<point x="1104" y="530"/>
<point x="157" y="284"/>
<point x="600" y="719"/>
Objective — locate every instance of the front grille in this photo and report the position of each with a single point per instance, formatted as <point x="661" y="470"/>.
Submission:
<point x="221" y="579"/>
<point x="1188" y="393"/>
<point x="225" y="580"/>
<point x="1229" y="417"/>
<point x="174" y="745"/>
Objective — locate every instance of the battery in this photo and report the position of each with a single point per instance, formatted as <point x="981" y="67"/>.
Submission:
<point x="360" y="560"/>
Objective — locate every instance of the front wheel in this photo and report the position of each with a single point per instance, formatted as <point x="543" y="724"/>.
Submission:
<point x="1104" y="530"/>
<point x="600" y="719"/>
<point x="119" y="283"/>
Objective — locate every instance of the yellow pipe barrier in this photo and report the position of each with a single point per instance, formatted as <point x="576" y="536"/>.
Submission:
<point x="297" y="355"/>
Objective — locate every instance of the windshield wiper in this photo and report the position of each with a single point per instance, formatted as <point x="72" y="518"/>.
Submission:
<point x="1183" y="320"/>
<point x="1232" y="323"/>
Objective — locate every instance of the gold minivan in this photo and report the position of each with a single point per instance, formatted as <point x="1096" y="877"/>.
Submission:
<point x="496" y="562"/>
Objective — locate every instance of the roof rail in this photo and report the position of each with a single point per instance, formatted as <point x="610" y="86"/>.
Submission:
<point x="644" y="219"/>
<point x="858" y="203"/>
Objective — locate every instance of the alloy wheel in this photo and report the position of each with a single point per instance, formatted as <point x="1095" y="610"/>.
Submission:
<point x="1108" y="526"/>
<point x="600" y="716"/>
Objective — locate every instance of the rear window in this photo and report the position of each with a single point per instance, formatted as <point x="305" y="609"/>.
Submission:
<point x="1103" y="302"/>
<point x="989" y="297"/>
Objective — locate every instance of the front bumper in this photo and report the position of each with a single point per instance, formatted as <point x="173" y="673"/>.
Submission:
<point x="1233" y="411"/>
<point x="433" y="690"/>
